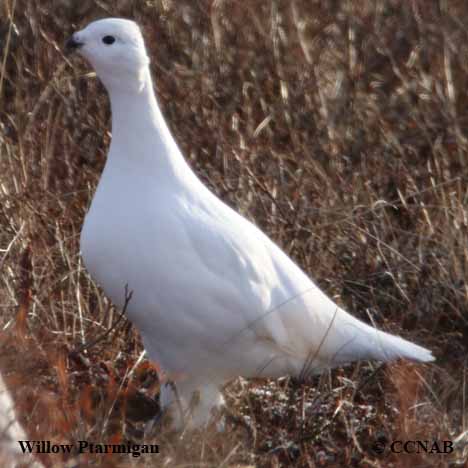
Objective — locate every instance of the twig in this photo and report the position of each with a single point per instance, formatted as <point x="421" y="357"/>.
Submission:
<point x="85" y="347"/>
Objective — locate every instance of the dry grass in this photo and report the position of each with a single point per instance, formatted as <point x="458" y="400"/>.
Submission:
<point x="339" y="127"/>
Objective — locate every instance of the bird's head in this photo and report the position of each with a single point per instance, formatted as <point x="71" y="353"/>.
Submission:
<point x="116" y="50"/>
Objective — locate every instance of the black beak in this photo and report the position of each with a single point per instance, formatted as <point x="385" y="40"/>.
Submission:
<point x="72" y="44"/>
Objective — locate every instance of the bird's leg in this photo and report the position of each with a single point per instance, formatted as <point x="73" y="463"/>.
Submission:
<point x="204" y="400"/>
<point x="191" y="404"/>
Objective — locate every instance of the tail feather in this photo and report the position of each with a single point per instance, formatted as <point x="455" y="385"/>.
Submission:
<point x="391" y="347"/>
<point x="369" y="343"/>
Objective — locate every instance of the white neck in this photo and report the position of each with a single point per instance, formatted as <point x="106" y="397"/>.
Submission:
<point x="140" y="135"/>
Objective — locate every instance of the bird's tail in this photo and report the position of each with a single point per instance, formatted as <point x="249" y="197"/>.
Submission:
<point x="362" y="341"/>
<point x="389" y="347"/>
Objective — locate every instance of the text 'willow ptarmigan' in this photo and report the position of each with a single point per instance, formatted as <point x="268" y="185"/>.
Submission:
<point x="213" y="297"/>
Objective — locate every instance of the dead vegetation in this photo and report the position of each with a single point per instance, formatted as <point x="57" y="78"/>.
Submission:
<point x="339" y="127"/>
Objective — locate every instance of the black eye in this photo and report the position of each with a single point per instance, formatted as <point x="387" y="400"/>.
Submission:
<point x="108" y="40"/>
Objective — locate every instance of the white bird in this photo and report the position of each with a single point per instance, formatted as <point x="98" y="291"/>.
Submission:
<point x="11" y="433"/>
<point x="213" y="297"/>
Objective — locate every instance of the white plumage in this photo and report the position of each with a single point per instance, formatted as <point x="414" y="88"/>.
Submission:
<point x="11" y="433"/>
<point x="213" y="297"/>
